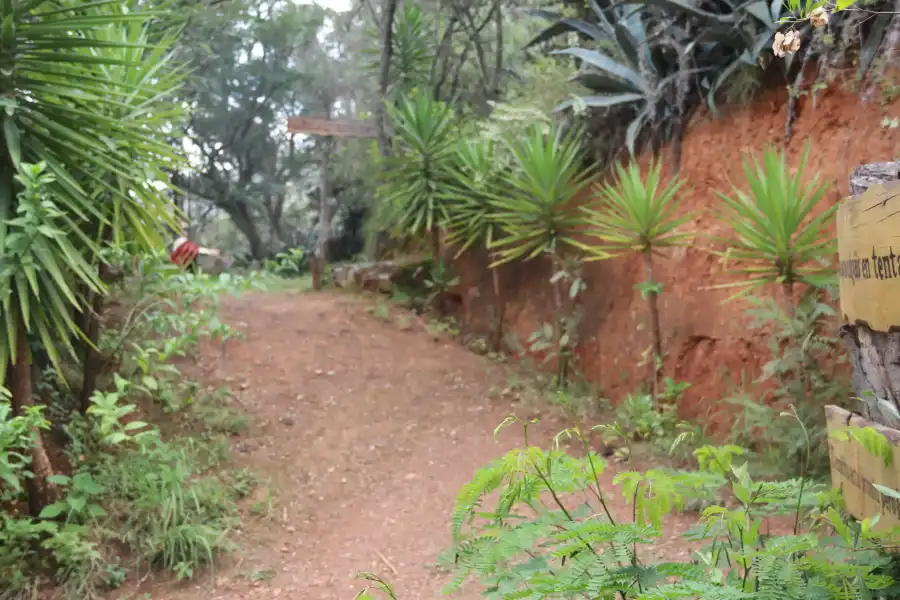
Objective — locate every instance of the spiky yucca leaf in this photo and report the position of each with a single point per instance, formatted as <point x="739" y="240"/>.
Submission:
<point x="96" y="135"/>
<point x="538" y="212"/>
<point x="776" y="239"/>
<point x="475" y="178"/>
<point x="639" y="213"/>
<point x="416" y="177"/>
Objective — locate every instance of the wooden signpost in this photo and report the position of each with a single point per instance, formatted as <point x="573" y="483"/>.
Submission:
<point x="333" y="127"/>
<point x="325" y="127"/>
<point x="868" y="229"/>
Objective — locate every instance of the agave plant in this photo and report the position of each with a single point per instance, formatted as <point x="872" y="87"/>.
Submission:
<point x="417" y="173"/>
<point x="778" y="237"/>
<point x="639" y="214"/>
<point x="66" y="157"/>
<point x="471" y="221"/>
<point x="659" y="80"/>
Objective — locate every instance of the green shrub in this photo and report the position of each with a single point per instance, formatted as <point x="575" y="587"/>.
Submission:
<point x="534" y="524"/>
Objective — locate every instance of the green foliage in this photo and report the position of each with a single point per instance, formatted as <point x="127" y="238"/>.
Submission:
<point x="778" y="238"/>
<point x="802" y="373"/>
<point x="538" y="213"/>
<point x="869" y="438"/>
<point x="413" y="43"/>
<point x="133" y="487"/>
<point x="15" y="441"/>
<point x="639" y="416"/>
<point x="475" y="178"/>
<point x="417" y="174"/>
<point x="84" y="131"/>
<point x="639" y="213"/>
<point x="652" y="64"/>
<point x="40" y="262"/>
<point x="289" y="263"/>
<point x="546" y="533"/>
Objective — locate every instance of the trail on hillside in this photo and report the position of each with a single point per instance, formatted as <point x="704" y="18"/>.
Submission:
<point x="363" y="431"/>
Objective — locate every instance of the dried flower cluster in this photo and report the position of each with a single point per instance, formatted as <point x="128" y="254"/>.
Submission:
<point x="789" y="42"/>
<point x="819" y="17"/>
<point x="786" y="43"/>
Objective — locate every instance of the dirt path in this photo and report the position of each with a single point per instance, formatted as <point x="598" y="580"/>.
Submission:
<point x="364" y="432"/>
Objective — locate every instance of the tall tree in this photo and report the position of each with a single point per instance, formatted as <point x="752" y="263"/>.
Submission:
<point x="250" y="72"/>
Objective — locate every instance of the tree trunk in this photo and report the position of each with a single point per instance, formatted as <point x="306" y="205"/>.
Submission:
<point x="559" y="320"/>
<point x="875" y="355"/>
<point x="436" y="246"/>
<point x="243" y="220"/>
<point x="384" y="78"/>
<point x="41" y="492"/>
<point x="789" y="298"/>
<point x="501" y="310"/>
<point x="326" y="213"/>
<point x="93" y="315"/>
<point x="652" y="304"/>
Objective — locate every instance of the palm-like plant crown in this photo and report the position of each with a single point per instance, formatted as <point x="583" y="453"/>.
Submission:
<point x="776" y="237"/>
<point x="81" y="92"/>
<point x="538" y="212"/>
<point x="638" y="213"/>
<point x="416" y="176"/>
<point x="475" y="181"/>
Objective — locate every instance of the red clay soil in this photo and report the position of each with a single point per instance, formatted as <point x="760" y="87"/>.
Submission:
<point x="364" y="431"/>
<point x="706" y="341"/>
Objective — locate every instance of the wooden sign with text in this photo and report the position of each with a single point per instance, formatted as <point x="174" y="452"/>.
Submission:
<point x="333" y="127"/>
<point x="868" y="229"/>
<point x="854" y="469"/>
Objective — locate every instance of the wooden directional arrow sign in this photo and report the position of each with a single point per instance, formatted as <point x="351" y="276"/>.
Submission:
<point x="333" y="127"/>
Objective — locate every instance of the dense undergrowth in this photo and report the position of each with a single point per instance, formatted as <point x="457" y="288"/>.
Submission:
<point x="137" y="488"/>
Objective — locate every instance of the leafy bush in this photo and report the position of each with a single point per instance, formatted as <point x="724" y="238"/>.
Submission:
<point x="549" y="534"/>
<point x="805" y="372"/>
<point x="289" y="263"/>
<point x="130" y="488"/>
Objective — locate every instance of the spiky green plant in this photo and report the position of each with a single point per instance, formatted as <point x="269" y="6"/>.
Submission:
<point x="475" y="178"/>
<point x="540" y="215"/>
<point x="538" y="212"/>
<point x="778" y="238"/>
<point x="67" y="155"/>
<point x="416" y="175"/>
<point x="640" y="214"/>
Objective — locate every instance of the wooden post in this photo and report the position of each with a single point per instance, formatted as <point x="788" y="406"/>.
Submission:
<point x="868" y="224"/>
<point x="328" y="128"/>
<point x="868" y="229"/>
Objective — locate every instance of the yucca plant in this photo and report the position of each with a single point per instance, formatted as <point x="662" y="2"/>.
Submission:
<point x="639" y="214"/>
<point x="417" y="173"/>
<point x="475" y="176"/>
<point x="65" y="156"/>
<point x="540" y="216"/>
<point x="145" y="66"/>
<point x="538" y="212"/>
<point x="777" y="237"/>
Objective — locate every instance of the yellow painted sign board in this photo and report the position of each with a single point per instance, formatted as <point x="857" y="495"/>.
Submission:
<point x="868" y="230"/>
<point x="854" y="470"/>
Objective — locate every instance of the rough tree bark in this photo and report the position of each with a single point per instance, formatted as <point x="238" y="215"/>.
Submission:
<point x="326" y="213"/>
<point x="384" y="79"/>
<point x="501" y="310"/>
<point x="243" y="220"/>
<point x="41" y="491"/>
<point x="874" y="355"/>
